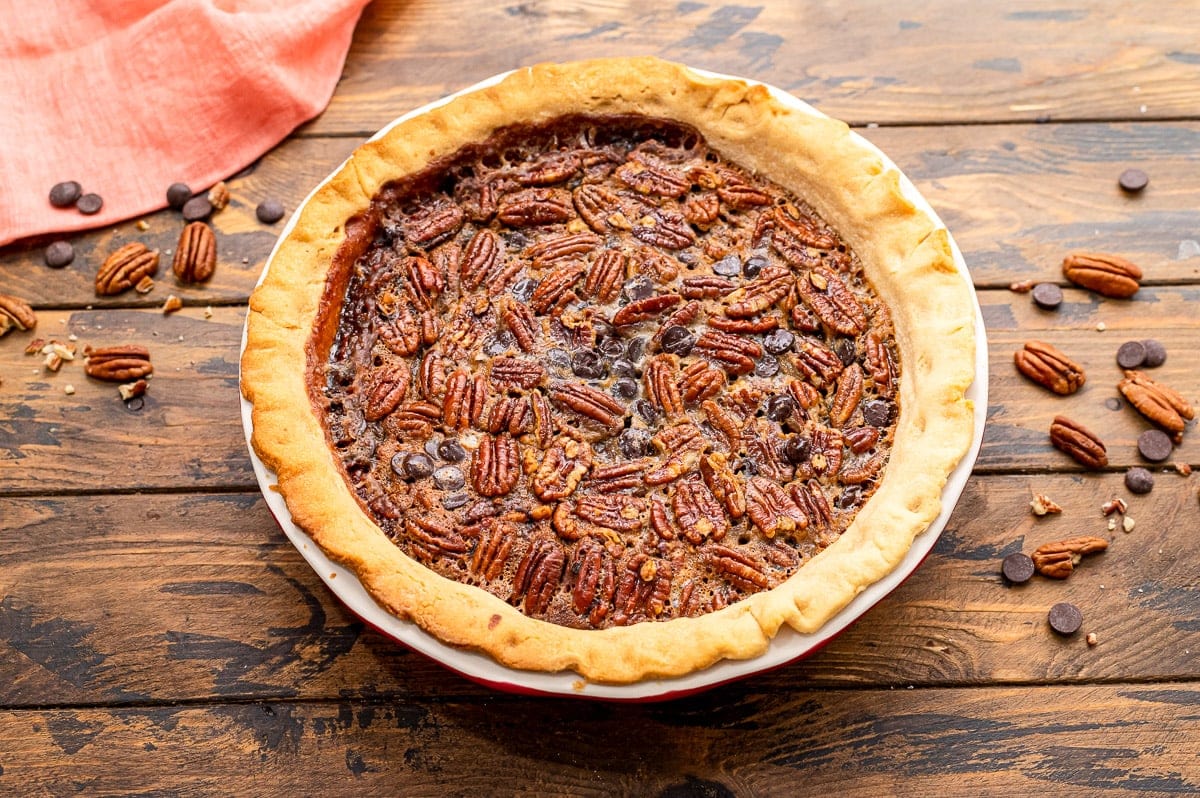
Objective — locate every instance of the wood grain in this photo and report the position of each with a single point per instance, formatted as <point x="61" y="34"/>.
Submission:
<point x="1016" y="198"/>
<point x="1085" y="740"/>
<point x="110" y="599"/>
<point x="861" y="61"/>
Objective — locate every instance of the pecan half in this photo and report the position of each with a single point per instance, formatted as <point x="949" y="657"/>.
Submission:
<point x="835" y="305"/>
<point x="645" y="309"/>
<point x="423" y="281"/>
<point x="619" y="512"/>
<point x="386" y="392"/>
<point x="539" y="574"/>
<point x="881" y="365"/>
<point x="1049" y="368"/>
<point x="702" y="209"/>
<point x="772" y="284"/>
<point x="605" y="276"/>
<point x="403" y="334"/>
<point x="556" y="248"/>
<point x="706" y="287"/>
<point x="1079" y="442"/>
<point x="742" y="196"/>
<point x="533" y="207"/>
<point x="496" y="466"/>
<point x="847" y="395"/>
<point x="118" y="363"/>
<point x="793" y="233"/>
<point x="817" y="362"/>
<point x="756" y="326"/>
<point x="513" y="372"/>
<point x="510" y="414"/>
<point x="433" y="223"/>
<point x="495" y="544"/>
<point x="682" y="317"/>
<point x="1057" y="560"/>
<point x="643" y="590"/>
<point x="123" y="269"/>
<point x="414" y="419"/>
<point x="483" y="252"/>
<point x="811" y="499"/>
<point x="561" y="469"/>
<point x="698" y="512"/>
<point x="742" y="570"/>
<point x="554" y="292"/>
<point x="600" y="208"/>
<point x="551" y="168"/>
<point x="431" y="375"/>
<point x="734" y="353"/>
<point x="1164" y="406"/>
<point x="664" y="228"/>
<point x="700" y="381"/>
<point x="595" y="580"/>
<point x="723" y="483"/>
<point x="649" y="179"/>
<point x="16" y="313"/>
<point x="196" y="254"/>
<point x="589" y="402"/>
<point x="659" y="267"/>
<point x="661" y="380"/>
<point x="465" y="399"/>
<point x="434" y="534"/>
<point x="519" y="320"/>
<point x="771" y="509"/>
<point x="1109" y="275"/>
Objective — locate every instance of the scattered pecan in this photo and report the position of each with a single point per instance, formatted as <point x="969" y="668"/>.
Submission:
<point x="513" y="372"/>
<point x="118" y="363"/>
<point x="1049" y="368"/>
<point x="1079" y="442"/>
<point x="479" y="259"/>
<point x="605" y="276"/>
<point x="402" y="335"/>
<point x="834" y="303"/>
<point x="431" y="375"/>
<point x="817" y="362"/>
<point x="881" y="365"/>
<point x="423" y="281"/>
<point x="519" y="320"/>
<point x="146" y="285"/>
<point x="755" y="326"/>
<point x="712" y="287"/>
<point x="562" y="468"/>
<point x="600" y="208"/>
<point x="734" y="353"/>
<point x="741" y="568"/>
<point x="123" y="269"/>
<point x="1109" y="275"/>
<point x="860" y="439"/>
<point x="589" y="402"/>
<point x="698" y="512"/>
<point x="132" y="390"/>
<point x="847" y="395"/>
<point x="772" y="284"/>
<point x="619" y="512"/>
<point x="1114" y="505"/>
<point x="659" y="267"/>
<point x="195" y="254"/>
<point x="700" y="381"/>
<point x="661" y="377"/>
<point x="1022" y="286"/>
<point x="771" y="509"/>
<point x="510" y="414"/>
<point x="856" y="473"/>
<point x="645" y="309"/>
<point x="742" y="196"/>
<point x="1058" y="560"/>
<point x="415" y="419"/>
<point x="554" y="291"/>
<point x="16" y="313"/>
<point x="533" y="207"/>
<point x="814" y="504"/>
<point x="550" y="168"/>
<point x="539" y="574"/>
<point x="386" y="392"/>
<point x="218" y="195"/>
<point x="465" y="400"/>
<point x="1164" y="406"/>
<point x="618" y="476"/>
<point x="543" y="418"/>
<point x="496" y="466"/>
<point x="433" y="223"/>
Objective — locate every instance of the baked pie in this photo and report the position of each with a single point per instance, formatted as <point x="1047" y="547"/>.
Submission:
<point x="612" y="367"/>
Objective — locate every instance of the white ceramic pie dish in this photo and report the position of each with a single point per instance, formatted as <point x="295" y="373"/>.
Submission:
<point x="786" y="647"/>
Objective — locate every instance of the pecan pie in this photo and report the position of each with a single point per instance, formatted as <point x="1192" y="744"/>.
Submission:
<point x="612" y="367"/>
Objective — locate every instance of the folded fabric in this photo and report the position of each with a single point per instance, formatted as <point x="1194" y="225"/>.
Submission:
<point x="129" y="96"/>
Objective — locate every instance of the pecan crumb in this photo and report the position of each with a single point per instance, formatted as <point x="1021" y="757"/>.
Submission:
<point x="35" y="346"/>
<point x="1092" y="640"/>
<point x="1043" y="505"/>
<point x="132" y="390"/>
<point x="1101" y="327"/>
<point x="1127" y="524"/>
<point x="69" y="390"/>
<point x="1184" y="469"/>
<point x="1112" y="524"/>
<point x="1022" y="287"/>
<point x="1116" y="505"/>
<point x="172" y="304"/>
<point x="208" y="312"/>
<point x="142" y="225"/>
<point x="145" y="285"/>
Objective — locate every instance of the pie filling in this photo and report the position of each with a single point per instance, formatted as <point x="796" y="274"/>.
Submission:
<point x="603" y="373"/>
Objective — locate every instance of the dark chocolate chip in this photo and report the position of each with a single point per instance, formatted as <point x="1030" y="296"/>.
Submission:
<point x="1065" y="618"/>
<point x="448" y="478"/>
<point x="797" y="449"/>
<point x="197" y="208"/>
<point x="878" y="412"/>
<point x="753" y="266"/>
<point x="64" y="195"/>
<point x="844" y="347"/>
<point x="1047" y="295"/>
<point x="1131" y="355"/>
<point x="779" y="407"/>
<point x="638" y="288"/>
<point x="178" y="194"/>
<point x="611" y="347"/>
<point x="412" y="465"/>
<point x="646" y="410"/>
<point x="1155" y="445"/>
<point x="778" y="341"/>
<point x="499" y="343"/>
<point x="603" y="329"/>
<point x="455" y="500"/>
<point x="269" y="211"/>
<point x="636" y="348"/>
<point x="89" y="204"/>
<point x="589" y="364"/>
<point x="728" y="266"/>
<point x="766" y="366"/>
<point x="1139" y="480"/>
<point x="1017" y="568"/>
<point x="677" y="340"/>
<point x="559" y="358"/>
<point x="523" y="289"/>
<point x="634" y="443"/>
<point x="1133" y="180"/>
<point x="625" y="388"/>
<point x="623" y="368"/>
<point x="59" y="254"/>
<point x="849" y="498"/>
<point x="431" y="447"/>
<point x="451" y="451"/>
<point x="1156" y="353"/>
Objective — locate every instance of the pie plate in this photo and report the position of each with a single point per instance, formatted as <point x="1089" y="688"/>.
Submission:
<point x="787" y="646"/>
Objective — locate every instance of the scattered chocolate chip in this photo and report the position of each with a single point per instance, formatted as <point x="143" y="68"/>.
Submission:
<point x="64" y="195"/>
<point x="636" y="348"/>
<point x="178" y="194"/>
<point x="59" y="254"/>
<point x="197" y="208"/>
<point x="623" y="368"/>
<point x="412" y="465"/>
<point x="589" y="364"/>
<point x="778" y="341"/>
<point x="634" y="443"/>
<point x="1139" y="480"/>
<point x="499" y="343"/>
<point x="451" y="451"/>
<point x="845" y="349"/>
<point x="625" y="388"/>
<point x="753" y="266"/>
<point x="431" y="447"/>
<point x="89" y="204"/>
<point x="455" y="500"/>
<point x="448" y="478"/>
<point x="1131" y="355"/>
<point x="638" y="288"/>
<point x="1047" y="296"/>
<point x="1155" y="445"/>
<point x="611" y="347"/>
<point x="766" y="366"/>
<point x="728" y="266"/>
<point x="1017" y="568"/>
<point x="1065" y="618"/>
<point x="646" y="410"/>
<point x="1156" y="353"/>
<point x="523" y="289"/>
<point x="797" y="449"/>
<point x="269" y="211"/>
<point x="849" y="498"/>
<point x="878" y="412"/>
<point x="780" y="406"/>
<point x="1133" y="180"/>
<point x="677" y="340"/>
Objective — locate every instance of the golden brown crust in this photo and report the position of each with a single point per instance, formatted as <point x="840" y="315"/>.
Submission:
<point x="905" y="256"/>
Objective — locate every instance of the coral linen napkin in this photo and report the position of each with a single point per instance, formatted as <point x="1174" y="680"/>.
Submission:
<point x="129" y="96"/>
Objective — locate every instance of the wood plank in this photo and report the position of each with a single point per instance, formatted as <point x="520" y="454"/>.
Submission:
<point x="1017" y="198"/>
<point x="860" y="61"/>
<point x="111" y="599"/>
<point x="1093" y="740"/>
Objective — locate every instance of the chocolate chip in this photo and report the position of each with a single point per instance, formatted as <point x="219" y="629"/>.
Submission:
<point x="797" y="449"/>
<point x="778" y="341"/>
<point x="849" y="498"/>
<point x="523" y="289"/>
<point x="677" y="340"/>
<point x="451" y="451"/>
<point x="1139" y="480"/>
<point x="455" y="500"/>
<point x="1065" y="618"/>
<point x="269" y="211"/>
<point x="89" y="204"/>
<point x="1156" y="353"/>
<point x="197" y="208"/>
<point x="64" y="195"/>
<point x="779" y="407"/>
<point x="1155" y="445"/>
<point x="1017" y="568"/>
<point x="1133" y="180"/>
<point x="602" y="329"/>
<point x="728" y="266"/>
<point x="431" y="447"/>
<point x="412" y="465"/>
<point x="178" y="194"/>
<point x="611" y="347"/>
<point x="638" y="288"/>
<point x="844" y="347"/>
<point x="623" y="368"/>
<point x="589" y="364"/>
<point x="753" y="266"/>
<point x="499" y="343"/>
<point x="59" y="254"/>
<point x="878" y="412"/>
<point x="448" y="478"/>
<point x="636" y="348"/>
<point x="766" y="366"/>
<point x="625" y="388"/>
<point x="634" y="443"/>
<point x="559" y="358"/>
<point x="646" y="410"/>
<point x="1131" y="355"/>
<point x="1047" y="296"/>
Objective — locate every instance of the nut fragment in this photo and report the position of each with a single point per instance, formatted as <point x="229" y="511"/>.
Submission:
<point x="172" y="304"/>
<point x="15" y="313"/>
<point x="1049" y="368"/>
<point x="1042" y="505"/>
<point x="1110" y="275"/>
<point x="145" y="285"/>
<point x="1116" y="505"/>
<point x="1057" y="560"/>
<point x="1079" y="442"/>
<point x="132" y="390"/>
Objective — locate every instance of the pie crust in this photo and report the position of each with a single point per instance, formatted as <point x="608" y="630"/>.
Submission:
<point x="905" y="256"/>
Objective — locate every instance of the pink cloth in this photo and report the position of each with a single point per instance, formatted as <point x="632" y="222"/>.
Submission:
<point x="129" y="96"/>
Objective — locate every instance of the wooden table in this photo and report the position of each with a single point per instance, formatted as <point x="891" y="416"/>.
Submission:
<point x="158" y="632"/>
